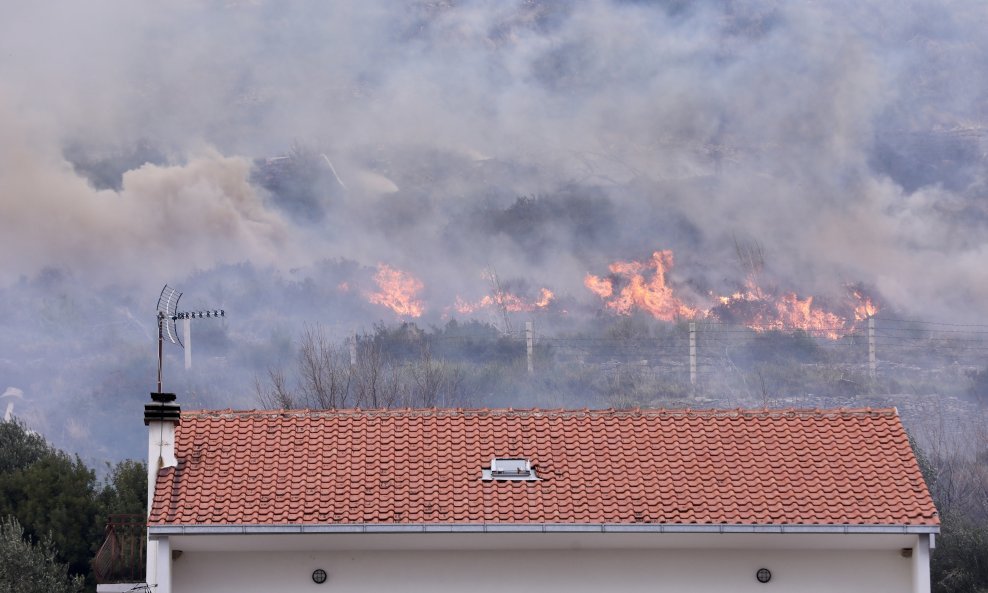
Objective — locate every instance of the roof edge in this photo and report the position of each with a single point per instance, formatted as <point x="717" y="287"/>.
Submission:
<point x="790" y="412"/>
<point x="263" y="529"/>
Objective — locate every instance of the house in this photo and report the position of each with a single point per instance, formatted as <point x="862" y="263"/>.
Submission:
<point x="535" y="500"/>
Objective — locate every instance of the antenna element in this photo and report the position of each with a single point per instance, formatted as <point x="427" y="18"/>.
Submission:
<point x="168" y="313"/>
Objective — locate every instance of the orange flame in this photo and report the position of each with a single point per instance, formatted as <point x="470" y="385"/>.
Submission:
<point x="546" y="296"/>
<point x="757" y="309"/>
<point x="397" y="291"/>
<point x="787" y="312"/>
<point x="510" y="302"/>
<point x="864" y="307"/>
<point x="601" y="287"/>
<point x="651" y="295"/>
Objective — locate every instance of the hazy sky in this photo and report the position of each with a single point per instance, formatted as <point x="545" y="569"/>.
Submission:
<point x="847" y="139"/>
<point x="141" y="143"/>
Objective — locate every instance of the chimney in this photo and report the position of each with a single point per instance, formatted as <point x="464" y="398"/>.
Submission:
<point x="160" y="416"/>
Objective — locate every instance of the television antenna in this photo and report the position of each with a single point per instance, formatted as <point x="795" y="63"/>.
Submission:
<point x="168" y="314"/>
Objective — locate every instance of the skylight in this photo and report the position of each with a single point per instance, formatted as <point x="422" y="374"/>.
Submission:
<point x="510" y="468"/>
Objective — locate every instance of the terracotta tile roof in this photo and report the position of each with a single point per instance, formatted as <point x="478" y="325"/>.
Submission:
<point x="595" y="466"/>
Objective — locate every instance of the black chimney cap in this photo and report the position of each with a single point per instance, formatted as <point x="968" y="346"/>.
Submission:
<point x="163" y="397"/>
<point x="162" y="412"/>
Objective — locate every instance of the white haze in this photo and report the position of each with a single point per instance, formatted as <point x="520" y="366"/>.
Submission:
<point x="847" y="139"/>
<point x="776" y="104"/>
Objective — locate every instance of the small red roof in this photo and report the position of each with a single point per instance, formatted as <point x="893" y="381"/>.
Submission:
<point x="808" y="467"/>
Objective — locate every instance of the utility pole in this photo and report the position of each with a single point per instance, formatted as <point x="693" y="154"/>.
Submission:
<point x="872" y="360"/>
<point x="693" y="356"/>
<point x="530" y="339"/>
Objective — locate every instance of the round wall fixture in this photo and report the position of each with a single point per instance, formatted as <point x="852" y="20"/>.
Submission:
<point x="763" y="575"/>
<point x="318" y="576"/>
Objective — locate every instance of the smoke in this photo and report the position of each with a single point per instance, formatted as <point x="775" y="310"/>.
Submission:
<point x="165" y="219"/>
<point x="250" y="147"/>
<point x="777" y="122"/>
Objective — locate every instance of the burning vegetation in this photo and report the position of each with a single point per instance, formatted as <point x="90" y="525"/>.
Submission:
<point x="398" y="291"/>
<point x="633" y="286"/>
<point x="644" y="286"/>
<point x="504" y="300"/>
<point x="652" y="295"/>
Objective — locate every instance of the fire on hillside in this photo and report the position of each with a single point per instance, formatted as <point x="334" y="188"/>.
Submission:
<point x="643" y="286"/>
<point x="632" y="286"/>
<point x="398" y="291"/>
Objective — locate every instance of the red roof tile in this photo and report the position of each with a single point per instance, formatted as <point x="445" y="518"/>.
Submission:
<point x="595" y="466"/>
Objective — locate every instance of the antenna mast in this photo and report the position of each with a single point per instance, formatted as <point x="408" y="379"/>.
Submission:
<point x="168" y="313"/>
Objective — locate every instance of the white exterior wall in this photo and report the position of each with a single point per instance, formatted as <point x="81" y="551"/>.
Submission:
<point x="545" y="570"/>
<point x="161" y="453"/>
<point x="921" y="565"/>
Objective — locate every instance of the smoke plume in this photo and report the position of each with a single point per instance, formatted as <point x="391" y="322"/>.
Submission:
<point x="243" y="147"/>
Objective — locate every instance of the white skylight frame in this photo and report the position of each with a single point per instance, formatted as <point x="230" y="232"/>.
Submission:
<point x="510" y="469"/>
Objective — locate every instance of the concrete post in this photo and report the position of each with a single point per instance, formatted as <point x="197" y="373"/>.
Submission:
<point x="693" y="354"/>
<point x="529" y="340"/>
<point x="872" y="359"/>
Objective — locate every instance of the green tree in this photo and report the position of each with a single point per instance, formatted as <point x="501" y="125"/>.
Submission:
<point x="31" y="568"/>
<point x="57" y="495"/>
<point x="56" y="501"/>
<point x="19" y="447"/>
<point x="125" y="490"/>
<point x="51" y="494"/>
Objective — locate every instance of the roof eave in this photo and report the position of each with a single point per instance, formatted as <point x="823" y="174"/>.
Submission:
<point x="265" y="529"/>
